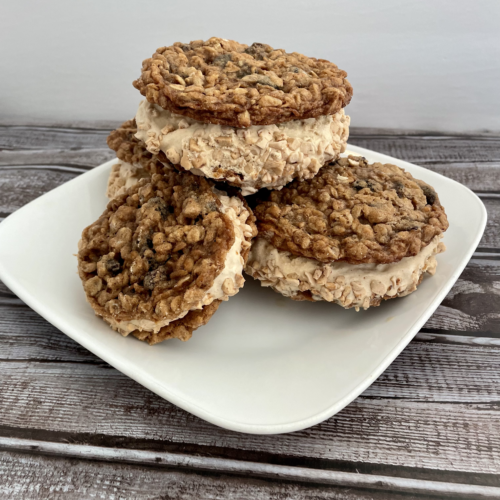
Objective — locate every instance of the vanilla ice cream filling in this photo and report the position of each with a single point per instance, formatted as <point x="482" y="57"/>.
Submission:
<point x="345" y="284"/>
<point x="252" y="158"/>
<point x="226" y="284"/>
<point x="123" y="176"/>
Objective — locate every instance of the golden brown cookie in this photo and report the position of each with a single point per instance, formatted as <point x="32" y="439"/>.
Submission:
<point x="163" y="252"/>
<point x="131" y="150"/>
<point x="224" y="82"/>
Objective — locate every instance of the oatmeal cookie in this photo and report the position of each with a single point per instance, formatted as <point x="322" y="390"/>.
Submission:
<point x="354" y="212"/>
<point x="131" y="150"/>
<point x="224" y="82"/>
<point x="164" y="254"/>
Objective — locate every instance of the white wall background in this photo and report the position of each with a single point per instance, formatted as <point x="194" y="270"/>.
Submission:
<point x="414" y="64"/>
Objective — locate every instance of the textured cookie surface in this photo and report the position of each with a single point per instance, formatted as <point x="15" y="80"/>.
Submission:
<point x="353" y="211"/>
<point x="228" y="83"/>
<point x="156" y="251"/>
<point x="131" y="150"/>
<point x="183" y="328"/>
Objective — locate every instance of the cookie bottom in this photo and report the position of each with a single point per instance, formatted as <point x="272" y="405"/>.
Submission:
<point x="348" y="285"/>
<point x="181" y="329"/>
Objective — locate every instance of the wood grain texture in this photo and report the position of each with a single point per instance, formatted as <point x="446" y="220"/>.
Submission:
<point x="25" y="335"/>
<point x="85" y="158"/>
<point x="5" y="290"/>
<point x="491" y="237"/>
<point x="478" y="176"/>
<point x="432" y="149"/>
<point x="40" y="477"/>
<point x="473" y="304"/>
<point x="251" y="469"/>
<point x="435" y="407"/>
<point x="22" y="137"/>
<point x="418" y="148"/>
<point x="472" y="161"/>
<point x="19" y="187"/>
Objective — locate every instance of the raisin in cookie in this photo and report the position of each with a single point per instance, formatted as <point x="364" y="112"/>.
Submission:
<point x="163" y="255"/>
<point x="228" y="83"/>
<point x="355" y="234"/>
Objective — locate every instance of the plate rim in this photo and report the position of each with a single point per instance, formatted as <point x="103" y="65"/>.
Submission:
<point x="148" y="381"/>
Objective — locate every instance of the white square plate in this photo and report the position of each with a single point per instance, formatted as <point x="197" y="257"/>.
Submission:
<point x="264" y="364"/>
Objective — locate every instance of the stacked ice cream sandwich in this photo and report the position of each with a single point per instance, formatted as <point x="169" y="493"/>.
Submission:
<point x="220" y="121"/>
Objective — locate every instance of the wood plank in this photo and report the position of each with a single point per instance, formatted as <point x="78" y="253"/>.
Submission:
<point x="450" y="338"/>
<point x="436" y="407"/>
<point x="433" y="371"/>
<point x="491" y="237"/>
<point x="398" y="132"/>
<point x="473" y="304"/>
<point x="433" y="149"/>
<point x="40" y="477"/>
<point x="478" y="176"/>
<point x="56" y="157"/>
<point x="19" y="187"/>
<point x="25" y="335"/>
<point x="5" y="291"/>
<point x="34" y="123"/>
<point x="419" y="148"/>
<point x="252" y="469"/>
<point x="22" y="137"/>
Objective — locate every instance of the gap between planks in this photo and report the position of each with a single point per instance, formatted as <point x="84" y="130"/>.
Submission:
<point x="253" y="469"/>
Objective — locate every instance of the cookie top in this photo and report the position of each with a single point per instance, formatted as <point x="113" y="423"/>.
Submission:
<point x="352" y="211"/>
<point x="157" y="249"/>
<point x="229" y="83"/>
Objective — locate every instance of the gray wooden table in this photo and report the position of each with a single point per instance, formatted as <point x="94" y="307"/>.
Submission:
<point x="73" y="427"/>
